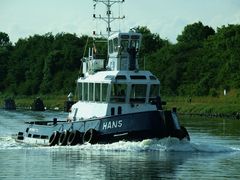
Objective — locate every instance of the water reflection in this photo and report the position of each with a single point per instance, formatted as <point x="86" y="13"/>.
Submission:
<point x="68" y="162"/>
<point x="216" y="126"/>
<point x="212" y="154"/>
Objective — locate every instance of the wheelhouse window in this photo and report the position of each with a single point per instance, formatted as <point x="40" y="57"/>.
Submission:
<point x="90" y="91"/>
<point x="80" y="91"/>
<point x="124" y="45"/>
<point x="121" y="77"/>
<point x="137" y="77"/>
<point x="110" y="44"/>
<point x="104" y="92"/>
<point x="118" y="92"/>
<point x="85" y="91"/>
<point x="138" y="93"/>
<point x="134" y="42"/>
<point x="115" y="44"/>
<point x="154" y="91"/>
<point x="97" y="92"/>
<point x="93" y="92"/>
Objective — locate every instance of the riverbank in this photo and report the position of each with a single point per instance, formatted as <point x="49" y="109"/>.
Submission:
<point x="228" y="105"/>
<point x="51" y="102"/>
<point x="220" y="106"/>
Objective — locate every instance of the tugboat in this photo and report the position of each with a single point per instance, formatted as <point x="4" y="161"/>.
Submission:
<point x="116" y="101"/>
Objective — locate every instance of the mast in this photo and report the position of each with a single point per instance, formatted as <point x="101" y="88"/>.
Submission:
<point x="108" y="18"/>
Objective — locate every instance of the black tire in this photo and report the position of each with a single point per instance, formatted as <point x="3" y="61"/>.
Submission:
<point x="63" y="138"/>
<point x="75" y="137"/>
<point x="90" y="136"/>
<point x="53" y="140"/>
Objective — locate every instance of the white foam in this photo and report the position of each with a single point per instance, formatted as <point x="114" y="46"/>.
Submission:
<point x="164" y="145"/>
<point x="161" y="145"/>
<point x="7" y="142"/>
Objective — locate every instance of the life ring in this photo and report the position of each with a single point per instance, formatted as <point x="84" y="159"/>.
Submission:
<point x="74" y="138"/>
<point x="90" y="136"/>
<point x="53" y="140"/>
<point x="62" y="141"/>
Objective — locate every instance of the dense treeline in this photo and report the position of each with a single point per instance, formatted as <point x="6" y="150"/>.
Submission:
<point x="40" y="64"/>
<point x="202" y="62"/>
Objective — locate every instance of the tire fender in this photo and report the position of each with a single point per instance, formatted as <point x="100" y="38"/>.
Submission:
<point x="53" y="140"/>
<point x="90" y="136"/>
<point x="75" y="137"/>
<point x="62" y="141"/>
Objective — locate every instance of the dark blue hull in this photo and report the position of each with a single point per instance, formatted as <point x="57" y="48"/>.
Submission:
<point x="135" y="126"/>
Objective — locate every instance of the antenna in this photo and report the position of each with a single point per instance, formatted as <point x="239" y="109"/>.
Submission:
<point x="108" y="18"/>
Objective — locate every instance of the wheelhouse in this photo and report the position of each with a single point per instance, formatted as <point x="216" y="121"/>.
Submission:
<point x="123" y="51"/>
<point x="130" y="88"/>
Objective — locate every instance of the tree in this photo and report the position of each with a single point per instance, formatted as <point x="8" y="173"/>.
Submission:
<point x="151" y="42"/>
<point x="195" y="33"/>
<point x="4" y="39"/>
<point x="5" y="50"/>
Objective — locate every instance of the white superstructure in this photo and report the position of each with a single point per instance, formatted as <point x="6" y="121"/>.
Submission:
<point x="118" y="87"/>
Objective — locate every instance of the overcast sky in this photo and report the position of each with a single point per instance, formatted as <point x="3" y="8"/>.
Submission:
<point x="22" y="18"/>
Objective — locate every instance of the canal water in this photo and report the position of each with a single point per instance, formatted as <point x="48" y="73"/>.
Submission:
<point x="213" y="153"/>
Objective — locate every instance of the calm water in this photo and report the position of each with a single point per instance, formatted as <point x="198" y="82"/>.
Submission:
<point x="213" y="153"/>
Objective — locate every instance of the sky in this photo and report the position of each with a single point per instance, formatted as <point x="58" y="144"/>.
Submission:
<point x="24" y="18"/>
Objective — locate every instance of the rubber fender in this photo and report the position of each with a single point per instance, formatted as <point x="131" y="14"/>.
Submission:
<point x="90" y="136"/>
<point x="63" y="138"/>
<point x="53" y="140"/>
<point x="75" y="137"/>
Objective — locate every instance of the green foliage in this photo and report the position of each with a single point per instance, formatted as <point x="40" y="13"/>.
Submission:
<point x="196" y="32"/>
<point x="202" y="62"/>
<point x="42" y="64"/>
<point x="5" y="51"/>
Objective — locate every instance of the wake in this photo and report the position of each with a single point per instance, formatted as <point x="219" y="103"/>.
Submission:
<point x="162" y="145"/>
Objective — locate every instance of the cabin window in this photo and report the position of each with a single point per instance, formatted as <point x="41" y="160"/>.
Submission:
<point x="44" y="137"/>
<point x="36" y="136"/>
<point x="138" y="93"/>
<point x="119" y="110"/>
<point x="154" y="91"/>
<point x="110" y="44"/>
<point x="97" y="91"/>
<point x="80" y="91"/>
<point x="112" y="111"/>
<point x="125" y="36"/>
<point x="104" y="92"/>
<point x="135" y="37"/>
<point x="90" y="91"/>
<point x="85" y="91"/>
<point x="121" y="77"/>
<point x="118" y="92"/>
<point x="134" y="43"/>
<point x="124" y="45"/>
<point x="115" y="44"/>
<point x="137" y="77"/>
